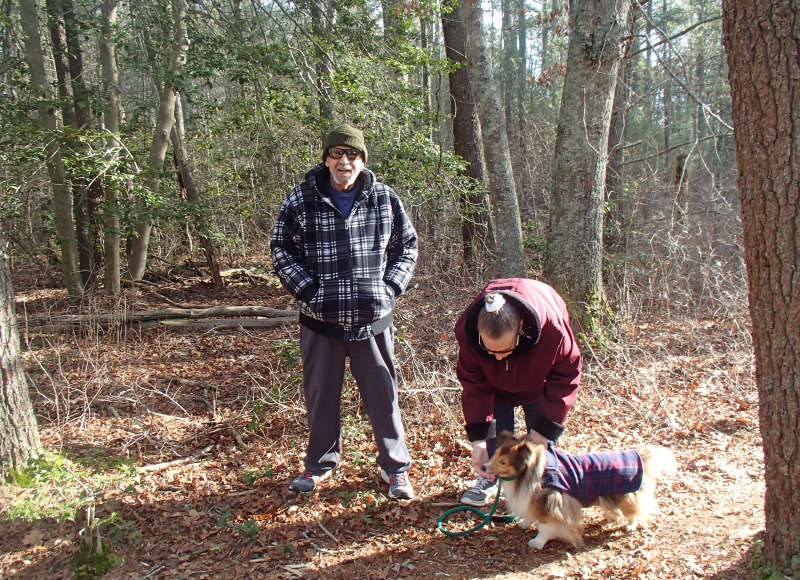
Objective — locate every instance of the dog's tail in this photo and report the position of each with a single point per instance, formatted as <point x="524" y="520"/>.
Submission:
<point x="658" y="462"/>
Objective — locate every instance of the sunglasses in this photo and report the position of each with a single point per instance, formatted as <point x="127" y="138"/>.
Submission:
<point x="336" y="153"/>
<point x="496" y="352"/>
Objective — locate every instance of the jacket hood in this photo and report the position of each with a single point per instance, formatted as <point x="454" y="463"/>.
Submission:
<point x="531" y="329"/>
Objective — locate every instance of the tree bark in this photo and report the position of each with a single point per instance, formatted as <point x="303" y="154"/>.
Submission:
<point x="19" y="434"/>
<point x="111" y="118"/>
<point x="573" y="260"/>
<point x="58" y="38"/>
<point x="507" y="57"/>
<point x="474" y="207"/>
<point x="86" y="197"/>
<point x="321" y="12"/>
<point x="509" y="257"/>
<point x="762" y="41"/>
<point x="615" y="197"/>
<point x="62" y="202"/>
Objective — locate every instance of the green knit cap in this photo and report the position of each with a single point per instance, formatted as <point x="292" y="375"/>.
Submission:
<point x="344" y="135"/>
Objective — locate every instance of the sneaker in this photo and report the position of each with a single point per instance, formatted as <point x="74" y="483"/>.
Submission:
<point x="307" y="481"/>
<point x="481" y="493"/>
<point x="399" y="486"/>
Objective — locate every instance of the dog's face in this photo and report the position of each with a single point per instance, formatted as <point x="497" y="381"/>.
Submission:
<point x="513" y="457"/>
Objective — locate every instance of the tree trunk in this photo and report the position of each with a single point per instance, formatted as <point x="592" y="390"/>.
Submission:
<point x="680" y="207"/>
<point x="474" y="208"/>
<point x="19" y="434"/>
<point x="62" y="202"/>
<point x="509" y="258"/>
<point x="507" y="61"/>
<point x="616" y="201"/>
<point x="111" y="118"/>
<point x="667" y="92"/>
<point x="573" y="261"/>
<point x="522" y="71"/>
<point x="762" y="41"/>
<point x="189" y="186"/>
<point x="58" y="37"/>
<point x="87" y="197"/>
<point x="167" y="96"/>
<point x="321" y="12"/>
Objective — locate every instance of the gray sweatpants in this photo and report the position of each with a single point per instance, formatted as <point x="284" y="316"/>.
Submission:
<point x="323" y="374"/>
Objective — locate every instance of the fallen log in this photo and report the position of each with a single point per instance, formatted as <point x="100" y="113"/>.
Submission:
<point x="162" y="314"/>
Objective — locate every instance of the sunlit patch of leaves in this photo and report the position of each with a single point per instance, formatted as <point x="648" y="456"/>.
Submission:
<point x="251" y="475"/>
<point x="57" y="487"/>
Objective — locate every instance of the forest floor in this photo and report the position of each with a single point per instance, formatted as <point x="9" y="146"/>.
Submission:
<point x="186" y="439"/>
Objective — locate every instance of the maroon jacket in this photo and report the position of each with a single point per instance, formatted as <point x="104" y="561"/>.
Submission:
<point x="544" y="368"/>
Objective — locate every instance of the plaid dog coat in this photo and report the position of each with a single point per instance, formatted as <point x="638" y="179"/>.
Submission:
<point x="588" y="476"/>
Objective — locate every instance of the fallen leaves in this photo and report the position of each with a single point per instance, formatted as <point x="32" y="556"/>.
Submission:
<point x="160" y="397"/>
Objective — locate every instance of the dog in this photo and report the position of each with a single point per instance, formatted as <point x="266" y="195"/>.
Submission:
<point x="545" y="486"/>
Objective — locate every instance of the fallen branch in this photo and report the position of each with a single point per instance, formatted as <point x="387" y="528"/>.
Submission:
<point x="182" y="461"/>
<point x="258" y="317"/>
<point x="229" y="322"/>
<point x="163" y="314"/>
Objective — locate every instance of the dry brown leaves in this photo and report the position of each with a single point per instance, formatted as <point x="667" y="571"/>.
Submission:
<point x="218" y="417"/>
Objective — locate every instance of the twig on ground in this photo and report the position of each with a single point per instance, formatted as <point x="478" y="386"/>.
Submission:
<point x="324" y="529"/>
<point x="181" y="461"/>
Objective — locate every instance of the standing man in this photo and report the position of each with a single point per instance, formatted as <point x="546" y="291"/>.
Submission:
<point x="345" y="249"/>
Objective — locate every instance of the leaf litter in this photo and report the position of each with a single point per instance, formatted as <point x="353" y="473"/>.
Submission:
<point x="216" y="420"/>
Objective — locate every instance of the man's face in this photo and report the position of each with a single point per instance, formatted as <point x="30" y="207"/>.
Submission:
<point x="346" y="169"/>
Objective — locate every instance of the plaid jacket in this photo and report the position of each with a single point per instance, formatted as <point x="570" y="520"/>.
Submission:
<point x="588" y="476"/>
<point x="344" y="273"/>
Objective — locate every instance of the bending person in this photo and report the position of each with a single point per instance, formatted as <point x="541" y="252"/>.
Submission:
<point x="516" y="349"/>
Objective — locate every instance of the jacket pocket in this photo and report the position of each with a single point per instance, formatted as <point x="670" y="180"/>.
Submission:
<point x="373" y="300"/>
<point x="328" y="302"/>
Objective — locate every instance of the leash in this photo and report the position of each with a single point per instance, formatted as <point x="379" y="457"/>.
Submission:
<point x="485" y="517"/>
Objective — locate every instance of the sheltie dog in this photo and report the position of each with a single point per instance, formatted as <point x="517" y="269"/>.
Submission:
<point x="545" y="486"/>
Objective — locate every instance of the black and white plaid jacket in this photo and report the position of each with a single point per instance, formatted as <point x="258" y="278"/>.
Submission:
<point x="345" y="273"/>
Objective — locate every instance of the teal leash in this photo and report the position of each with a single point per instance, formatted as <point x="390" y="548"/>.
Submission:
<point x="485" y="517"/>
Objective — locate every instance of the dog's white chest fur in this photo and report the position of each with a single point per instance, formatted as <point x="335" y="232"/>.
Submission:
<point x="518" y="496"/>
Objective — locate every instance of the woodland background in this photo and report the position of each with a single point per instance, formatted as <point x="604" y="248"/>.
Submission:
<point x="182" y="439"/>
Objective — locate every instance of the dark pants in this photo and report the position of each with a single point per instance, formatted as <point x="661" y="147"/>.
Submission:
<point x="323" y="373"/>
<point x="504" y="420"/>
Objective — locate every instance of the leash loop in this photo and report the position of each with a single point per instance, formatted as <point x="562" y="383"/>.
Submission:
<point x="485" y="517"/>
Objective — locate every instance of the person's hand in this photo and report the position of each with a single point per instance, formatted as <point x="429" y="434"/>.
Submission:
<point x="480" y="457"/>
<point x="536" y="437"/>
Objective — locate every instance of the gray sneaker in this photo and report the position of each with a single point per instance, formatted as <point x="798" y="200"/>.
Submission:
<point x="399" y="485"/>
<point x="307" y="481"/>
<point x="481" y="493"/>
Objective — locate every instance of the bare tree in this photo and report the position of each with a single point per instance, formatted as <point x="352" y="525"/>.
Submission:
<point x="167" y="95"/>
<point x="762" y="41"/>
<point x="510" y="260"/>
<point x="189" y="189"/>
<point x="111" y="118"/>
<point x="87" y="197"/>
<point x="321" y="13"/>
<point x="474" y="208"/>
<point x="75" y="112"/>
<point x="19" y="434"/>
<point x="62" y="201"/>
<point x="573" y="261"/>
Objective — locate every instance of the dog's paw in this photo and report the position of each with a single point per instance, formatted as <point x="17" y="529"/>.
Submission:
<point x="633" y="526"/>
<point x="538" y="542"/>
<point x="524" y="524"/>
